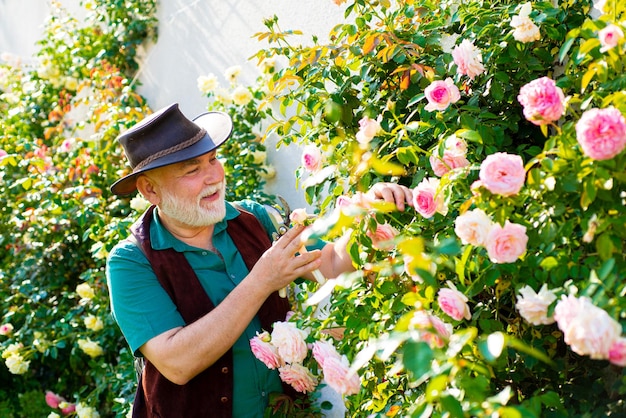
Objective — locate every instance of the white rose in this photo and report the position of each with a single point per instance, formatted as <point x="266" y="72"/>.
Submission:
<point x="534" y="306"/>
<point x="473" y="227"/>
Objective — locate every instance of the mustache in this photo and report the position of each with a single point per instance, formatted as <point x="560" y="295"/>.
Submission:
<point x="217" y="188"/>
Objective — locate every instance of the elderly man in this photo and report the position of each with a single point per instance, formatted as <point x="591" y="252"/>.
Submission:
<point x="198" y="277"/>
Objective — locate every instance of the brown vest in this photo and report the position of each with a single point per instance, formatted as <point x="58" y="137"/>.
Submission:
<point x="209" y="394"/>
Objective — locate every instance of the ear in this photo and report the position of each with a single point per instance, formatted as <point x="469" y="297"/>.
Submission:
<point x="149" y="189"/>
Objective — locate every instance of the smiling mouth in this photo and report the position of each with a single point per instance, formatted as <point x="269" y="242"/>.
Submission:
<point x="212" y="193"/>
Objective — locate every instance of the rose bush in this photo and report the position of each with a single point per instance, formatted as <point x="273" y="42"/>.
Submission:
<point x="62" y="353"/>
<point x="533" y="246"/>
<point x="499" y="242"/>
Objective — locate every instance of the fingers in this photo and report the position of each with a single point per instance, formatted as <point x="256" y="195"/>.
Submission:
<point x="393" y="193"/>
<point x="291" y="239"/>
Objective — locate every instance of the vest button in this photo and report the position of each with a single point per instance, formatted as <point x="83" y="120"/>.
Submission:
<point x="223" y="399"/>
<point x="225" y="370"/>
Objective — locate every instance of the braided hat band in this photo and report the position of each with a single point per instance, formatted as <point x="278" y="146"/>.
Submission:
<point x="181" y="145"/>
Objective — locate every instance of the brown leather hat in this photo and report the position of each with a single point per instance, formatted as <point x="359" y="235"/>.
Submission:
<point x="167" y="137"/>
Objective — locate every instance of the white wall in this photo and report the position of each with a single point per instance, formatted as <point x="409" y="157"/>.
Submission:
<point x="195" y="38"/>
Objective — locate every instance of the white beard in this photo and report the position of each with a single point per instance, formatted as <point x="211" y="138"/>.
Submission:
<point x="193" y="213"/>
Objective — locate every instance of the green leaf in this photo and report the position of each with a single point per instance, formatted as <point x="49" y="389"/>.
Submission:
<point x="549" y="263"/>
<point x="417" y="358"/>
<point x="470" y="135"/>
<point x="407" y="155"/>
<point x="589" y="193"/>
<point x="452" y="406"/>
<point x="605" y="246"/>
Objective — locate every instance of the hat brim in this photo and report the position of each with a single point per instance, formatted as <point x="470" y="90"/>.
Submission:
<point x="218" y="126"/>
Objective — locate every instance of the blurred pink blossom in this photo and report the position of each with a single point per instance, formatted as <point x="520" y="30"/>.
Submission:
<point x="502" y="173"/>
<point x="383" y="236"/>
<point x="453" y="303"/>
<point x="67" y="408"/>
<point x="587" y="329"/>
<point x="427" y="200"/>
<point x="53" y="400"/>
<point x="338" y="376"/>
<point x="533" y="307"/>
<point x="322" y="350"/>
<point x="298" y="216"/>
<point x="449" y="161"/>
<point x="368" y="129"/>
<point x="473" y="227"/>
<point x="601" y="133"/>
<point x="265" y="351"/>
<point x="298" y="376"/>
<point x="440" y="94"/>
<point x="617" y="352"/>
<point x="468" y="59"/>
<point x="311" y="158"/>
<point x="6" y="329"/>
<point x="543" y="101"/>
<point x="610" y="37"/>
<point x="505" y="244"/>
<point x="432" y="329"/>
<point x="289" y="340"/>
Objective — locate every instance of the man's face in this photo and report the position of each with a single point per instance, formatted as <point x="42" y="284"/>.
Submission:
<point x="192" y="192"/>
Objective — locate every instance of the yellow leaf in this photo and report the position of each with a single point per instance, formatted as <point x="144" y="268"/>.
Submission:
<point x="587" y="77"/>
<point x="370" y="43"/>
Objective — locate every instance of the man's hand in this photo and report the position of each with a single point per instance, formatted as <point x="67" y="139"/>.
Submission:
<point x="392" y="193"/>
<point x="284" y="261"/>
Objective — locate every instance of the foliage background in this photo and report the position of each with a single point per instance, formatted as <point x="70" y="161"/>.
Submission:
<point x="58" y="218"/>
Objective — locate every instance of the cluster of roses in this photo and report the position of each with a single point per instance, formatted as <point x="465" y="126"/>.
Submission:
<point x="587" y="329"/>
<point x="66" y="408"/>
<point x="286" y="349"/>
<point x="601" y="133"/>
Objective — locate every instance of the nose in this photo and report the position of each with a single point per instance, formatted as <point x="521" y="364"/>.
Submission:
<point x="214" y="172"/>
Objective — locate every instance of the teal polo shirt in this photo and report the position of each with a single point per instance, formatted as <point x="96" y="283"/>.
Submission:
<point x="143" y="309"/>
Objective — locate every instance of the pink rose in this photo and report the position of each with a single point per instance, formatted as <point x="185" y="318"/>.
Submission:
<point x="440" y="94"/>
<point x="298" y="216"/>
<point x="505" y="244"/>
<point x="427" y="200"/>
<point x="289" y="340"/>
<point x="468" y="59"/>
<point x="3" y="154"/>
<point x="587" y="329"/>
<point x="338" y="376"/>
<point x="610" y="37"/>
<point x="473" y="227"/>
<point x="299" y="377"/>
<point x="542" y="100"/>
<point x="6" y="329"/>
<point x="322" y="350"/>
<point x="311" y="158"/>
<point x="363" y="200"/>
<point x="265" y="351"/>
<point x="383" y="236"/>
<point x="456" y="146"/>
<point x="432" y="330"/>
<point x="534" y="306"/>
<point x="617" y="352"/>
<point x="67" y="408"/>
<point x="453" y="303"/>
<point x="53" y="400"/>
<point x="502" y="173"/>
<point x="601" y="133"/>
<point x="449" y="161"/>
<point x="368" y="129"/>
